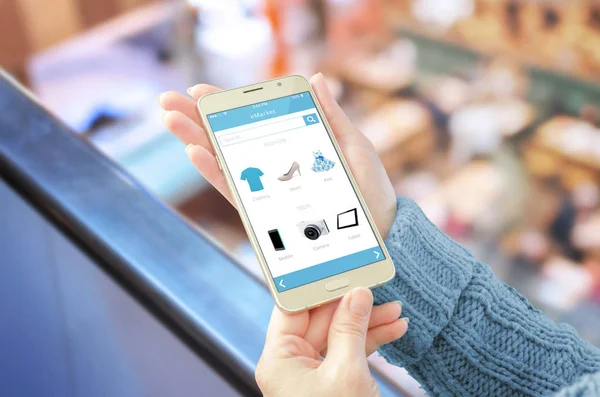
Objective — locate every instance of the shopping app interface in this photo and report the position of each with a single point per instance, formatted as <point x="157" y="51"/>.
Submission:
<point x="301" y="205"/>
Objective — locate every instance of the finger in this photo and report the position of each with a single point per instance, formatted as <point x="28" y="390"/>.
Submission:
<point x="382" y="324"/>
<point x="206" y="163"/>
<point x="172" y="100"/>
<point x="320" y="320"/>
<point x="323" y="353"/>
<point x="199" y="90"/>
<point x="282" y="324"/>
<point x="385" y="314"/>
<point x="379" y="336"/>
<point x="348" y="330"/>
<point x="186" y="130"/>
<point x="339" y="122"/>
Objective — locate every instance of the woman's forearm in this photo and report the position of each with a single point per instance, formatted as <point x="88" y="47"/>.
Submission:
<point x="470" y="333"/>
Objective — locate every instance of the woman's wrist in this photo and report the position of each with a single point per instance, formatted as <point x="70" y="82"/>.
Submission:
<point x="431" y="272"/>
<point x="385" y="229"/>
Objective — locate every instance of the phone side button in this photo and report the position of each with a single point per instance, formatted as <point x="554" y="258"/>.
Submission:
<point x="337" y="284"/>
<point x="219" y="163"/>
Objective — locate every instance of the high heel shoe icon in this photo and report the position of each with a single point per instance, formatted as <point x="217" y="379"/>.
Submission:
<point x="288" y="175"/>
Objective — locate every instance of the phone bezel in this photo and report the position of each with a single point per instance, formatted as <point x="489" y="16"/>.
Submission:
<point x="315" y="293"/>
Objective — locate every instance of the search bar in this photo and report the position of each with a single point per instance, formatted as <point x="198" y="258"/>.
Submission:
<point x="268" y="129"/>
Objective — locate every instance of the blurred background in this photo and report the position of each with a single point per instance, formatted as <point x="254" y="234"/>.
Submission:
<point x="486" y="112"/>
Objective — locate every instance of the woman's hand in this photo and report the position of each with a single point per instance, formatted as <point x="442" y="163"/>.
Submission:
<point x="182" y="119"/>
<point x="342" y="332"/>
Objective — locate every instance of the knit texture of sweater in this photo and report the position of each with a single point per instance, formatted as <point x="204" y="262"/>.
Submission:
<point x="471" y="334"/>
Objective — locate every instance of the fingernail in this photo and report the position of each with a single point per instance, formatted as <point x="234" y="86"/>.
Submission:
<point x="361" y="301"/>
<point x="188" y="147"/>
<point x="159" y="99"/>
<point x="189" y="91"/>
<point x="323" y="81"/>
<point x="406" y="320"/>
<point x="399" y="304"/>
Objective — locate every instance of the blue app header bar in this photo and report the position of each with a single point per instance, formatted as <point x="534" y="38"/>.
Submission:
<point x="260" y="111"/>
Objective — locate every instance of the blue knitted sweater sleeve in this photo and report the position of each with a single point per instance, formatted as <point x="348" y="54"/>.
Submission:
<point x="471" y="334"/>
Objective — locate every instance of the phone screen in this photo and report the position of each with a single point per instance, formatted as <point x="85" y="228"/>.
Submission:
<point x="294" y="188"/>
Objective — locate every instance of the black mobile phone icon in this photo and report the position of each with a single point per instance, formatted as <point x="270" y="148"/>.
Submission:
<point x="276" y="240"/>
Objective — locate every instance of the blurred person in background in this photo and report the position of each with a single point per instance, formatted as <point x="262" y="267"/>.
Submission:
<point x="563" y="224"/>
<point x="470" y="333"/>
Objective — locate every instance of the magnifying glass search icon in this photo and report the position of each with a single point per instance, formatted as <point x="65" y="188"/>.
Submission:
<point x="310" y="119"/>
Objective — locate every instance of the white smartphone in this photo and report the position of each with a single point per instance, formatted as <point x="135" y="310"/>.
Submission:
<point x="303" y="212"/>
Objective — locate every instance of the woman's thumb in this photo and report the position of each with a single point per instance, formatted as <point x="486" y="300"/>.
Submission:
<point x="338" y="120"/>
<point x="348" y="330"/>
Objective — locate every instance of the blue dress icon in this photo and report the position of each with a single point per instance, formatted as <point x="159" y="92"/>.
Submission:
<point x="252" y="176"/>
<point x="321" y="164"/>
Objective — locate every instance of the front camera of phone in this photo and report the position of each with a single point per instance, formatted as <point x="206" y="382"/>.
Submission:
<point x="279" y="84"/>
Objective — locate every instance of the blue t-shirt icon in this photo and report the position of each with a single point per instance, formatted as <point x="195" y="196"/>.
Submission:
<point x="252" y="176"/>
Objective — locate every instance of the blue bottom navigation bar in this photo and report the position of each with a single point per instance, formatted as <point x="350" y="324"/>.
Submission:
<point x="328" y="269"/>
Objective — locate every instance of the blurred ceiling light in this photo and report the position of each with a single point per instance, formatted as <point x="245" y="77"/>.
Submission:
<point x="443" y="13"/>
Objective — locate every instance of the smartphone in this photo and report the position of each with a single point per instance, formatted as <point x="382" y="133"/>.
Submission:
<point x="291" y="183"/>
